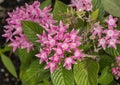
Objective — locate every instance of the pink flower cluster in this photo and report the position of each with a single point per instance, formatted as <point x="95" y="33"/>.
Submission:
<point x="14" y="31"/>
<point x="59" y="46"/>
<point x="84" y="5"/>
<point x="116" y="70"/>
<point x="108" y="37"/>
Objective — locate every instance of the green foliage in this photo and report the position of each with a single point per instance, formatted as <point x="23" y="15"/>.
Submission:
<point x="86" y="72"/>
<point x="31" y="29"/>
<point x="85" y="47"/>
<point x="45" y="3"/>
<point x="62" y="77"/>
<point x="45" y="82"/>
<point x="35" y="74"/>
<point x="98" y="5"/>
<point x="113" y="52"/>
<point x="5" y="49"/>
<point x="112" y="7"/>
<point x="94" y="14"/>
<point x="9" y="65"/>
<point x="106" y="77"/>
<point x="80" y="24"/>
<point x="59" y="9"/>
<point x="113" y="83"/>
<point x="105" y="60"/>
<point x="25" y="59"/>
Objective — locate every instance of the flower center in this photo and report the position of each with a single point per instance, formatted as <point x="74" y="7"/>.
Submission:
<point x="43" y="55"/>
<point x="19" y="29"/>
<point x="102" y="41"/>
<point x="59" y="51"/>
<point x="65" y="46"/>
<point x="52" y="42"/>
<point x="72" y="45"/>
<point x="110" y="33"/>
<point x="77" y="53"/>
<point x="52" y="65"/>
<point x="73" y="37"/>
<point x="111" y="22"/>
<point x="56" y="58"/>
<point x="97" y="29"/>
<point x="112" y="41"/>
<point x="68" y="60"/>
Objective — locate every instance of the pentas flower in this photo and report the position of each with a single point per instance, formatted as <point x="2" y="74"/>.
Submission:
<point x="68" y="62"/>
<point x="111" y="22"/>
<point x="21" y="42"/>
<point x="84" y="5"/>
<point x="111" y="38"/>
<point x="116" y="72"/>
<point x="52" y="65"/>
<point x="116" y="69"/>
<point x="113" y="42"/>
<point x="118" y="60"/>
<point x="43" y="56"/>
<point x="106" y="37"/>
<point x="97" y="29"/>
<point x="102" y="42"/>
<point x="59" y="46"/>
<point x="111" y="33"/>
<point x="14" y="32"/>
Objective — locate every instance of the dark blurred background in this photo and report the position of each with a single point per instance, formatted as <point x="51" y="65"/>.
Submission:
<point x="7" y="6"/>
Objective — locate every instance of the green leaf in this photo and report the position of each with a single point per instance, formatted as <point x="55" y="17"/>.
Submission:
<point x="25" y="59"/>
<point x="112" y="7"/>
<point x="80" y="24"/>
<point x="35" y="73"/>
<point x="45" y="3"/>
<point x="114" y="82"/>
<point x="94" y="14"/>
<point x="9" y="65"/>
<point x="86" y="72"/>
<point x="5" y="49"/>
<point x="113" y="52"/>
<point x="105" y="60"/>
<point x="62" y="77"/>
<point x="85" y="47"/>
<point x="59" y="9"/>
<point x="30" y="29"/>
<point x="106" y="77"/>
<point x="98" y="5"/>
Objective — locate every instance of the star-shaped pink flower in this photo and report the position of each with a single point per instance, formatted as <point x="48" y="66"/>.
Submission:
<point x="111" y="22"/>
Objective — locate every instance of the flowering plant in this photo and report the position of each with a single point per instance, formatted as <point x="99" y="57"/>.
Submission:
<point x="75" y="44"/>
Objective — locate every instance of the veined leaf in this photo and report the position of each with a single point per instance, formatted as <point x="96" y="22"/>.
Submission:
<point x="112" y="7"/>
<point x="94" y="15"/>
<point x="62" y="77"/>
<point x="35" y="73"/>
<point x="106" y="77"/>
<point x="25" y="59"/>
<point x="86" y="72"/>
<point x="30" y="30"/>
<point x="59" y="9"/>
<point x="113" y="52"/>
<point x="9" y="65"/>
<point x="45" y="3"/>
<point x="98" y="5"/>
<point x="105" y="60"/>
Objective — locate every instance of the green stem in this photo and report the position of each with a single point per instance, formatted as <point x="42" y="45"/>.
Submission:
<point x="91" y="56"/>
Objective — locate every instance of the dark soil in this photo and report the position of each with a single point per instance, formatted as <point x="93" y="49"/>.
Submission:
<point x="5" y="77"/>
